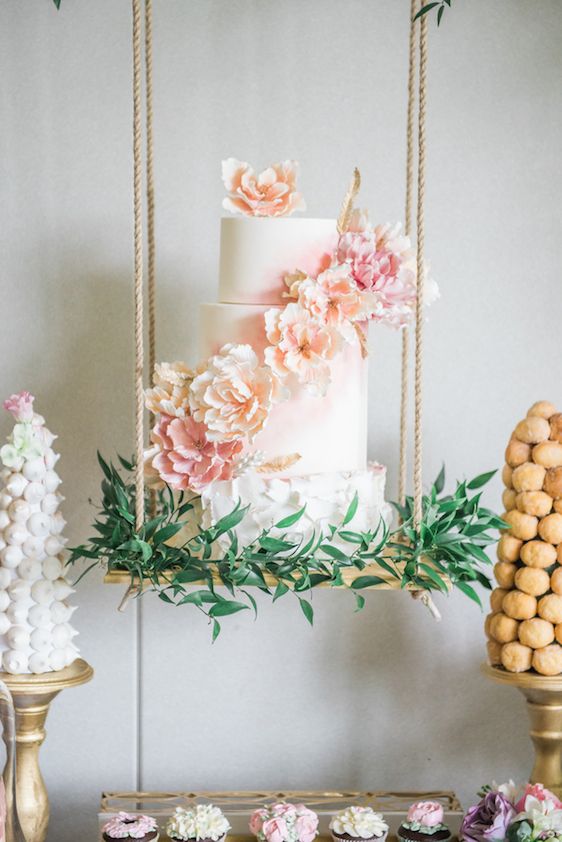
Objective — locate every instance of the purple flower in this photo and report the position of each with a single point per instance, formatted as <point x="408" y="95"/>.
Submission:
<point x="488" y="820"/>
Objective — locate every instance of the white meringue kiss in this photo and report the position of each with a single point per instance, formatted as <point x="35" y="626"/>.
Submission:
<point x="11" y="556"/>
<point x="4" y="600"/>
<point x="15" y="533"/>
<point x="5" y="578"/>
<point x="39" y="524"/>
<point x="40" y="640"/>
<point x="18" y="637"/>
<point x="14" y="661"/>
<point x="53" y="545"/>
<point x="39" y="616"/>
<point x="50" y="503"/>
<point x="35" y="492"/>
<point x="34" y="547"/>
<point x="19" y="590"/>
<point x="4" y="518"/>
<point x="4" y="623"/>
<point x="30" y="569"/>
<point x="19" y="510"/>
<point x="16" y="485"/>
<point x="43" y="592"/>
<point x="51" y="481"/>
<point x="34" y="470"/>
<point x="39" y="663"/>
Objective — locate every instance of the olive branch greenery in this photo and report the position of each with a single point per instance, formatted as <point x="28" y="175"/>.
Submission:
<point x="447" y="550"/>
<point x="428" y="7"/>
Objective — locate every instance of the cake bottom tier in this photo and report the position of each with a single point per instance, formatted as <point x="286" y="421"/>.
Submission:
<point x="325" y="497"/>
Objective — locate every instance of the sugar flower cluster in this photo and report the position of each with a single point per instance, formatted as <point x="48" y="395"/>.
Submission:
<point x="360" y="823"/>
<point x="206" y="416"/>
<point x="283" y="822"/>
<point x="202" y="822"/>
<point x="129" y="826"/>
<point x="514" y="813"/>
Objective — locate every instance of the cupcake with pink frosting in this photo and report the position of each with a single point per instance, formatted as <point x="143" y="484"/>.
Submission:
<point x="284" y="823"/>
<point x="131" y="826"/>
<point x="424" y="822"/>
<point x="358" y="824"/>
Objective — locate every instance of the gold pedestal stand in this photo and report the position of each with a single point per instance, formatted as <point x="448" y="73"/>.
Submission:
<point x="544" y="705"/>
<point x="32" y="695"/>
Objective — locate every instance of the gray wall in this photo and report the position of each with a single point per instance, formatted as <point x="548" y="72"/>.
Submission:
<point x="386" y="698"/>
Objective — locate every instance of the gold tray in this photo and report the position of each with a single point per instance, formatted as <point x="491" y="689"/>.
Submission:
<point x="238" y="806"/>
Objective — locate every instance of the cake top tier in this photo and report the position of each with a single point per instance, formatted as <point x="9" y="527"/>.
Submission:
<point x="257" y="253"/>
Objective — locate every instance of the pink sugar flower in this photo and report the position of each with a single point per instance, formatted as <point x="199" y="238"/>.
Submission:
<point x="301" y="345"/>
<point x="20" y="405"/>
<point x="186" y="458"/>
<point x="271" y="193"/>
<point x="539" y="792"/>
<point x="257" y="819"/>
<point x="335" y="299"/>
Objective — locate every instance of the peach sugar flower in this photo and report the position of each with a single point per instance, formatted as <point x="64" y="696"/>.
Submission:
<point x="301" y="345"/>
<point x="335" y="299"/>
<point x="233" y="395"/>
<point x="186" y="458"/>
<point x="169" y="395"/>
<point x="271" y="193"/>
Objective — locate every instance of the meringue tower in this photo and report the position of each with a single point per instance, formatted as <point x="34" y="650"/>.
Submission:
<point x="35" y="632"/>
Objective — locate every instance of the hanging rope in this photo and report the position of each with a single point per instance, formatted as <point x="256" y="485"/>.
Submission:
<point x="420" y="247"/>
<point x="138" y="277"/>
<point x="403" y="461"/>
<point x="151" y="267"/>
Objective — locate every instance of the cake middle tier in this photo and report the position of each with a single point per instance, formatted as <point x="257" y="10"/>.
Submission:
<point x="329" y="433"/>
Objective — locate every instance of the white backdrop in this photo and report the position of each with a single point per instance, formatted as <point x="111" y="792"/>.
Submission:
<point x="382" y="699"/>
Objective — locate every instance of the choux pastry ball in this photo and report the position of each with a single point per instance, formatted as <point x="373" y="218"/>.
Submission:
<point x="509" y="499"/>
<point x="494" y="652"/>
<point x="505" y="574"/>
<point x="538" y="554"/>
<point x="521" y="606"/>
<point x="536" y="633"/>
<point x="548" y="454"/>
<point x="496" y="599"/>
<point x="553" y="482"/>
<point x="528" y="477"/>
<point x="556" y="581"/>
<point x="558" y="506"/>
<point x="532" y="430"/>
<point x="503" y="628"/>
<point x="487" y="624"/>
<point x="508" y="548"/>
<point x="536" y="503"/>
<point x="542" y="409"/>
<point x="550" y="608"/>
<point x="517" y="452"/>
<point x="548" y="661"/>
<point x="507" y="473"/>
<point x="556" y="427"/>
<point x="522" y="526"/>
<point x="532" y="580"/>
<point x="550" y="528"/>
<point x="558" y="632"/>
<point x="516" y="657"/>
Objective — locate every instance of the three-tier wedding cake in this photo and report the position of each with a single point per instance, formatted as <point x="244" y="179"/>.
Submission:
<point x="275" y="418"/>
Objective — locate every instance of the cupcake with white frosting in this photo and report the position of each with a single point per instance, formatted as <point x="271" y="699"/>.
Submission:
<point x="203" y="823"/>
<point x="130" y="826"/>
<point x="358" y="823"/>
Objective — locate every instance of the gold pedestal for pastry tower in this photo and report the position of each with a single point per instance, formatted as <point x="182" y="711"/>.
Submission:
<point x="544" y="705"/>
<point x="32" y="695"/>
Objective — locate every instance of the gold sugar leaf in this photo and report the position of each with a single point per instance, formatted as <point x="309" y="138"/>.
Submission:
<point x="279" y="463"/>
<point x="347" y="207"/>
<point x="362" y="337"/>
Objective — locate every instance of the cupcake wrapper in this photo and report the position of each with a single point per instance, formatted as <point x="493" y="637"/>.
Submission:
<point x="359" y="839"/>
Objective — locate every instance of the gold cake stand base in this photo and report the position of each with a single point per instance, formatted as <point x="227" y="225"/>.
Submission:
<point x="32" y="695"/>
<point x="544" y="705"/>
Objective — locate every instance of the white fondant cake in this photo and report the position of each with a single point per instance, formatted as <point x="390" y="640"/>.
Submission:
<point x="257" y="253"/>
<point x="35" y="632"/>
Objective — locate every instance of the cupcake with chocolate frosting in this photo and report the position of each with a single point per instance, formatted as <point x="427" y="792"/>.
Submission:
<point x="358" y="824"/>
<point x="203" y="823"/>
<point x="424" y="823"/>
<point x="131" y="826"/>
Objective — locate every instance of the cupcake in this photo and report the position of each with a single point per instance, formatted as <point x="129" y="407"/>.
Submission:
<point x="358" y="823"/>
<point x="284" y="823"/>
<point x="203" y="823"/>
<point x="424" y="822"/>
<point x="130" y="826"/>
